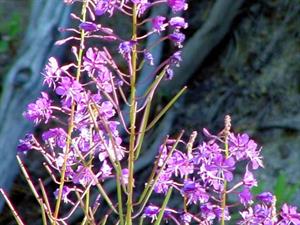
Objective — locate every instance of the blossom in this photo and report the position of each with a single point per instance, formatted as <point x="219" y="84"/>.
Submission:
<point x="51" y="72"/>
<point x="249" y="180"/>
<point x="178" y="22"/>
<point x="152" y="212"/>
<point x="149" y="58"/>
<point x="289" y="215"/>
<point x="174" y="60"/>
<point x="104" y="6"/>
<point x="103" y="78"/>
<point x="242" y="148"/>
<point x="93" y="60"/>
<point x="177" y="38"/>
<point x="220" y="167"/>
<point x="105" y="170"/>
<point x="245" y="197"/>
<point x="70" y="89"/>
<point x="125" y="48"/>
<point x="179" y="164"/>
<point x="88" y="26"/>
<point x="186" y="218"/>
<point x="210" y="211"/>
<point x="177" y="5"/>
<point x="158" y="23"/>
<point x="194" y="192"/>
<point x="26" y="144"/>
<point x="65" y="192"/>
<point x="125" y="176"/>
<point x="266" y="197"/>
<point x="163" y="183"/>
<point x="40" y="110"/>
<point x="55" y="136"/>
<point x="83" y="176"/>
<point x="261" y="214"/>
<point x="169" y="74"/>
<point x="107" y="110"/>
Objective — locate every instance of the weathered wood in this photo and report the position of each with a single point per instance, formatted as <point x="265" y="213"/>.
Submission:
<point x="23" y="82"/>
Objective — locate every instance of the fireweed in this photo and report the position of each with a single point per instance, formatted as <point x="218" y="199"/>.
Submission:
<point x="88" y="149"/>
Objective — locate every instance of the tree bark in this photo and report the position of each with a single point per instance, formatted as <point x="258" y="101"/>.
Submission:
<point x="23" y="82"/>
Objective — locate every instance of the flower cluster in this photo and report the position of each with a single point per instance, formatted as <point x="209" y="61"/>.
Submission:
<point x="204" y="176"/>
<point x="84" y="147"/>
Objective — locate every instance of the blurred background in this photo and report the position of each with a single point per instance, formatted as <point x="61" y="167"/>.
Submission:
<point x="240" y="58"/>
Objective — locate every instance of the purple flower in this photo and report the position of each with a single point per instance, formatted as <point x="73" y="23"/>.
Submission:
<point x="83" y="176"/>
<point x="178" y="22"/>
<point x="194" y="192"/>
<point x="152" y="212"/>
<point x="179" y="164"/>
<point x="148" y="57"/>
<point x="209" y="212"/>
<point x="26" y="144"/>
<point x="65" y="193"/>
<point x="186" y="218"/>
<point x="104" y="6"/>
<point x="220" y="168"/>
<point x="289" y="215"/>
<point x="174" y="60"/>
<point x="177" y="38"/>
<point x="169" y="74"/>
<point x="125" y="176"/>
<point x="69" y="89"/>
<point x="163" y="183"/>
<point x="107" y="110"/>
<point x="242" y="148"/>
<point x="177" y="5"/>
<point x="105" y="170"/>
<point x="51" y="72"/>
<point x="125" y="48"/>
<point x="245" y="197"/>
<point x="93" y="60"/>
<point x="163" y="152"/>
<point x="104" y="77"/>
<point x="55" y="136"/>
<point x="266" y="197"/>
<point x="88" y="26"/>
<point x="261" y="214"/>
<point x="158" y="23"/>
<point x="40" y="110"/>
<point x="205" y="153"/>
<point x="249" y="180"/>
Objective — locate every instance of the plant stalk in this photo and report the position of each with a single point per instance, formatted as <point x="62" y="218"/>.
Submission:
<point x="132" y="118"/>
<point x="71" y="123"/>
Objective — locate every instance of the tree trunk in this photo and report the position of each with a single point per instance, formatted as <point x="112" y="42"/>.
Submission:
<point x="23" y="82"/>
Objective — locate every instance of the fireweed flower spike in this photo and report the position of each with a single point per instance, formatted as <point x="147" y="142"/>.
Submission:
<point x="86" y="149"/>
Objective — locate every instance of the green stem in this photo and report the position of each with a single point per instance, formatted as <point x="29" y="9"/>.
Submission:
<point x="14" y="212"/>
<point x="71" y="123"/>
<point x="165" y="109"/>
<point x="141" y="220"/>
<point x="132" y="119"/>
<point x="223" y="203"/>
<point x="163" y="207"/>
<point x="115" y="162"/>
<point x="150" y="186"/>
